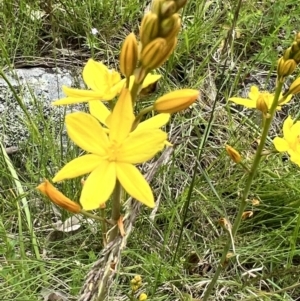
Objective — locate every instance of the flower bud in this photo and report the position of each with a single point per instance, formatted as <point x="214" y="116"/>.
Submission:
<point x="286" y="68"/>
<point x="129" y="55"/>
<point x="261" y="104"/>
<point x="156" y="53"/>
<point x="233" y="154"/>
<point x="57" y="197"/>
<point x="176" y="101"/>
<point x="287" y="54"/>
<point x="180" y="4"/>
<point x="156" y="7"/>
<point x="295" y="87"/>
<point x="143" y="297"/>
<point x="149" y="28"/>
<point x="168" y="8"/>
<point x="170" y="27"/>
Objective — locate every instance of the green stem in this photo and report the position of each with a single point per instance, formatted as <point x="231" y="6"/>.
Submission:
<point x="95" y="217"/>
<point x="139" y="116"/>
<point x="116" y="211"/>
<point x="249" y="181"/>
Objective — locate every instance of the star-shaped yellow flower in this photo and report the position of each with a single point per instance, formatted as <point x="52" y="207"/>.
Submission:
<point x="103" y="84"/>
<point x="112" y="155"/>
<point x="290" y="142"/>
<point x="254" y="95"/>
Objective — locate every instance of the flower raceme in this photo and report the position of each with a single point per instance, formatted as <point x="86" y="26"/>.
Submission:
<point x="103" y="84"/>
<point x="112" y="154"/>
<point x="290" y="142"/>
<point x="255" y="97"/>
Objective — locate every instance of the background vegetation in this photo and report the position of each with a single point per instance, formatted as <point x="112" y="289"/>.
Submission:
<point x="35" y="256"/>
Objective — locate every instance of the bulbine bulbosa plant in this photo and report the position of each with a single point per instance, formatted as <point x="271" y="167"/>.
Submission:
<point x="117" y="134"/>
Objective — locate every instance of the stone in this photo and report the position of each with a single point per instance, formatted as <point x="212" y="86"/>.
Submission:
<point x="37" y="88"/>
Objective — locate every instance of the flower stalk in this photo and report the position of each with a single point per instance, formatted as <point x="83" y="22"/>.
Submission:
<point x="246" y="191"/>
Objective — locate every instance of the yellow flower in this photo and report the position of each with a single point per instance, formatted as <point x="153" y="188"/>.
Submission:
<point x="102" y="113"/>
<point x="57" y="197"/>
<point x="112" y="155"/>
<point x="290" y="142"/>
<point x="255" y="95"/>
<point x="104" y="84"/>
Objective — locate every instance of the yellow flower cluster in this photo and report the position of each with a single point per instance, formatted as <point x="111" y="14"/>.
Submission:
<point x="115" y="141"/>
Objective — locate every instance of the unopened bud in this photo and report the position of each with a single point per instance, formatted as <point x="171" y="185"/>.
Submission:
<point x="156" y="7"/>
<point x="261" y="104"/>
<point x="143" y="297"/>
<point x="295" y="87"/>
<point x="170" y="27"/>
<point x="156" y="53"/>
<point x="180" y="4"/>
<point x="175" y="101"/>
<point x="286" y="68"/>
<point x="287" y="54"/>
<point x="149" y="28"/>
<point x="129" y="55"/>
<point x="168" y="8"/>
<point x="233" y="154"/>
<point x="57" y="197"/>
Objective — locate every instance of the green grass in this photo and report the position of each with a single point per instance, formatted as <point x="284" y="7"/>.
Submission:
<point x="267" y="245"/>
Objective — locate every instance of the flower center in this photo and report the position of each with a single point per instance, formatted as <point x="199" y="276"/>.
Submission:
<point x="113" y="151"/>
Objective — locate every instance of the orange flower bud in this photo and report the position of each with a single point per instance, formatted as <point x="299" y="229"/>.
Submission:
<point x="295" y="87"/>
<point x="149" y="28"/>
<point x="168" y="8"/>
<point x="261" y="104"/>
<point x="286" y="67"/>
<point x="57" y="197"/>
<point x="129" y="55"/>
<point x="151" y="55"/>
<point x="176" y="101"/>
<point x="233" y="154"/>
<point x="170" y="27"/>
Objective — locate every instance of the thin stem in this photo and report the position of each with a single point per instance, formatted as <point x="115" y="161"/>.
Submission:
<point x="140" y="115"/>
<point x="96" y="217"/>
<point x="116" y="211"/>
<point x="249" y="181"/>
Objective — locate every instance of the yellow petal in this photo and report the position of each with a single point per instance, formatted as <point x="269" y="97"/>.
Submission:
<point x="122" y="117"/>
<point x="286" y="100"/>
<point x="98" y="186"/>
<point x="135" y="184"/>
<point x="78" y="167"/>
<point x="142" y="145"/>
<point x="95" y="75"/>
<point x="99" y="110"/>
<point x="280" y="144"/>
<point x="150" y="79"/>
<point x="87" y="133"/>
<point x="78" y="96"/>
<point x="288" y="123"/>
<point x="254" y="93"/>
<point x="249" y="103"/>
<point x="154" y="122"/>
